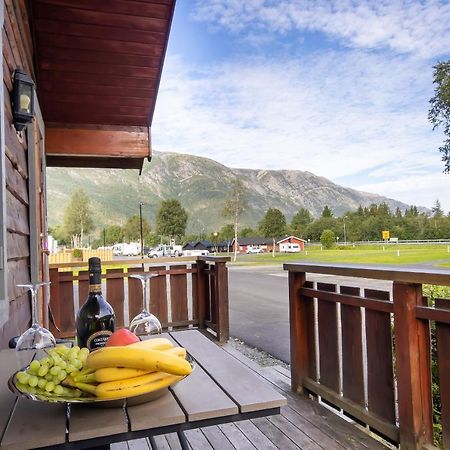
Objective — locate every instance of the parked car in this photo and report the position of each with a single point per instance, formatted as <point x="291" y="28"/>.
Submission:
<point x="165" y="250"/>
<point x="254" y="250"/>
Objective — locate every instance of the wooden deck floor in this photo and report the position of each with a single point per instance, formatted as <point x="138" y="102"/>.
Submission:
<point x="302" y="424"/>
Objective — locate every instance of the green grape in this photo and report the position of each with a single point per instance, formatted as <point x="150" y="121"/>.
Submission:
<point x="76" y="348"/>
<point x="61" y="375"/>
<point x="22" y="377"/>
<point x="84" y="352"/>
<point x="45" y="361"/>
<point x="55" y="370"/>
<point x="59" y="390"/>
<point x="70" y="368"/>
<point x="41" y="383"/>
<point x="35" y="365"/>
<point x="22" y="387"/>
<point x="50" y="386"/>
<point x="30" y="371"/>
<point x="48" y="376"/>
<point x="43" y="370"/>
<point x="78" y="364"/>
<point x="33" y="381"/>
<point x="63" y="365"/>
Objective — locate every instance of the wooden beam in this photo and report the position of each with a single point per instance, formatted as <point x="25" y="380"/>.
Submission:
<point x="133" y="142"/>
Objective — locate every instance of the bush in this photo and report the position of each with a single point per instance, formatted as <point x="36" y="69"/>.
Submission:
<point x="328" y="239"/>
<point x="77" y="253"/>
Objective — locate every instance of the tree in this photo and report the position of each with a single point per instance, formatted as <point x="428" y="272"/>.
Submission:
<point x="132" y="228"/>
<point x="300" y="221"/>
<point x="78" y="217"/>
<point x="234" y="206"/>
<point x="113" y="234"/>
<point x="226" y="233"/>
<point x="273" y="223"/>
<point x="439" y="112"/>
<point x="328" y="238"/>
<point x="171" y="219"/>
<point x="327" y="212"/>
<point x="437" y="210"/>
<point x="248" y="232"/>
<point x="59" y="233"/>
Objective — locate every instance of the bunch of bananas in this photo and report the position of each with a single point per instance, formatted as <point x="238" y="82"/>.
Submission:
<point x="135" y="369"/>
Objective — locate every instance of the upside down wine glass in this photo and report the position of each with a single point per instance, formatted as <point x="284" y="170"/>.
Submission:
<point x="33" y="341"/>
<point x="145" y="323"/>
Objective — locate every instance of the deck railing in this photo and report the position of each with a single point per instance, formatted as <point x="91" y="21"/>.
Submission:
<point x="189" y="292"/>
<point x="368" y="351"/>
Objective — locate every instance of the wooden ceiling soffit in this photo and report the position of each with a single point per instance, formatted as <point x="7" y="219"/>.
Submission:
<point x="108" y="147"/>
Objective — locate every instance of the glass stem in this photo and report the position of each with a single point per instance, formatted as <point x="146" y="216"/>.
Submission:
<point x="34" y="306"/>
<point x="144" y="294"/>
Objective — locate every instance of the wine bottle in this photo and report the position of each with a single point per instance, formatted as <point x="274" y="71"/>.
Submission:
<point x="95" y="319"/>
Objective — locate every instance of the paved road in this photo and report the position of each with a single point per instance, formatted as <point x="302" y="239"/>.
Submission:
<point x="259" y="306"/>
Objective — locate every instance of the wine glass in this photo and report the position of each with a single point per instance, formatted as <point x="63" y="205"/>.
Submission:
<point x="33" y="341"/>
<point x="145" y="323"/>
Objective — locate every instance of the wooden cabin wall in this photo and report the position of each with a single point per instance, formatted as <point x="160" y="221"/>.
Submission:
<point x="17" y="52"/>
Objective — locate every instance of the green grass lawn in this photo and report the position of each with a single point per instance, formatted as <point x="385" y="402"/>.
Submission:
<point x="367" y="254"/>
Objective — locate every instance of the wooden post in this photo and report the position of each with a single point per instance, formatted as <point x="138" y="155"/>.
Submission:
<point x="202" y="279"/>
<point x="221" y="286"/>
<point x="297" y="319"/>
<point x="55" y="301"/>
<point x="412" y="349"/>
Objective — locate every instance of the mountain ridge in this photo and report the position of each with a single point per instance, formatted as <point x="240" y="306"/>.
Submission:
<point x="201" y="185"/>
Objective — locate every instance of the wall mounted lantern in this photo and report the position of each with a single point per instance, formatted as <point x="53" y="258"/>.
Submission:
<point x="23" y="100"/>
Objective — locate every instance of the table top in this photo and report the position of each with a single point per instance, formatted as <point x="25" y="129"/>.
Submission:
<point x="220" y="389"/>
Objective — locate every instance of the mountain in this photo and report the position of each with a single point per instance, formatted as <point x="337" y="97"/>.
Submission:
<point x="201" y="185"/>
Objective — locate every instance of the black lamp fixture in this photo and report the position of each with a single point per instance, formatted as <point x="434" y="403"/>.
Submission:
<point x="23" y="99"/>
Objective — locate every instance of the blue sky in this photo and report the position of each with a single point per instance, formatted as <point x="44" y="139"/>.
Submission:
<point x="337" y="88"/>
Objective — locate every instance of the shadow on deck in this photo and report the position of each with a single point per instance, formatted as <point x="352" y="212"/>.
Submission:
<point x="302" y="424"/>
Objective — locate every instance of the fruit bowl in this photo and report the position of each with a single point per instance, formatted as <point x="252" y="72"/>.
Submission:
<point x="91" y="400"/>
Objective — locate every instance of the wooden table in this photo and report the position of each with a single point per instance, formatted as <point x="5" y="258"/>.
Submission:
<point x="220" y="390"/>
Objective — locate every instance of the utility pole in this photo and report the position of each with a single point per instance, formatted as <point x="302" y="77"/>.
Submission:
<point x="141" y="232"/>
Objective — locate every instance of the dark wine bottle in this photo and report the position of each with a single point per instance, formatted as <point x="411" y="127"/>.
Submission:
<point x="95" y="319"/>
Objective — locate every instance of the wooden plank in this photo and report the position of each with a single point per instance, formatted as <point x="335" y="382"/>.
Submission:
<point x="157" y="413"/>
<point x="115" y="294"/>
<point x="18" y="246"/>
<point x="194" y="292"/>
<point x="17" y="220"/>
<point x="436" y="314"/>
<point x="96" y="142"/>
<point x="380" y="374"/>
<point x="151" y="9"/>
<point x="134" y="293"/>
<point x="250" y="393"/>
<point x="18" y="273"/>
<point x="221" y="286"/>
<point x="328" y="340"/>
<point x="274" y="434"/>
<point x="76" y="15"/>
<point x="83" y="287"/>
<point x="15" y="183"/>
<point x="52" y="53"/>
<point x="254" y="435"/>
<point x="89" y="423"/>
<point x="412" y="356"/>
<point x="178" y="296"/>
<point x="158" y="295"/>
<point x="98" y="31"/>
<point x="35" y="424"/>
<point x="197" y="440"/>
<point x="386" y="272"/>
<point x="352" y="355"/>
<point x="236" y="437"/>
<point x="216" y="437"/>
<point x="443" y="363"/>
<point x="190" y="393"/>
<point x="63" y="311"/>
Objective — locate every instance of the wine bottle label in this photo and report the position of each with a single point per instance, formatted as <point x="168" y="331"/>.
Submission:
<point x="95" y="288"/>
<point x="98" y="339"/>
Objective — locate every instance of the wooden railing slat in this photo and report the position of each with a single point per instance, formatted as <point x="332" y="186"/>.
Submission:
<point x="178" y="297"/>
<point x="158" y="296"/>
<point x="443" y="361"/>
<point x="134" y="293"/>
<point x="115" y="294"/>
<point x="352" y="355"/>
<point x="380" y="374"/>
<point x="83" y="287"/>
<point x="328" y="340"/>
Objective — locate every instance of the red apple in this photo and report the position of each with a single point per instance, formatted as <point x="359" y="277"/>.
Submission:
<point x="121" y="337"/>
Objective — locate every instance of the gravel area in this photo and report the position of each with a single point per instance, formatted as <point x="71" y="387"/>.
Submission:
<point x="259" y="356"/>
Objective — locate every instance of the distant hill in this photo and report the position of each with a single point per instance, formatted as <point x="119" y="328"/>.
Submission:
<point x="201" y="185"/>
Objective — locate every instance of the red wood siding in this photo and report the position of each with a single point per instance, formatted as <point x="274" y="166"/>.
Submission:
<point x="17" y="52"/>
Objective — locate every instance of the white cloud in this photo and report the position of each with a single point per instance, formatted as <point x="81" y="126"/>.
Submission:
<point x="406" y="26"/>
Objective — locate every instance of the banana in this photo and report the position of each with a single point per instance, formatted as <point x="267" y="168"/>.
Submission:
<point x="136" y="386"/>
<point x="114" y="374"/>
<point x="153" y="344"/>
<point x="138" y="358"/>
<point x="178" y="351"/>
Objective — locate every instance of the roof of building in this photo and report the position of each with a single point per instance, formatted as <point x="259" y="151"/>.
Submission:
<point x="257" y="240"/>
